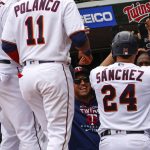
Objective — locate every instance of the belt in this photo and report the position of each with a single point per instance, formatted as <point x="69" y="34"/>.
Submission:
<point x="112" y="132"/>
<point x="5" y="61"/>
<point x="29" y="62"/>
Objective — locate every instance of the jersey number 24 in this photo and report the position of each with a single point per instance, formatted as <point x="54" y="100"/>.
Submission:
<point x="127" y="97"/>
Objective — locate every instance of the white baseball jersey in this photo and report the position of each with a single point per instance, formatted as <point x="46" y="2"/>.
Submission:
<point x="17" y="120"/>
<point x="4" y="8"/>
<point x="123" y="95"/>
<point x="37" y="30"/>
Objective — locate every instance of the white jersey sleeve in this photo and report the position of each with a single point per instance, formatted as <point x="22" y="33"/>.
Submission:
<point x="72" y="18"/>
<point x="93" y="76"/>
<point x="9" y="25"/>
<point x="1" y="17"/>
<point x="4" y="11"/>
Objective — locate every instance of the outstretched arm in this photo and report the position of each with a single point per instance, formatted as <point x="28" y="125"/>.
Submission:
<point x="108" y="61"/>
<point x="81" y="42"/>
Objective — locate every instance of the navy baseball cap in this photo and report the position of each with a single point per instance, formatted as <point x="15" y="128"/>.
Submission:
<point x="81" y="70"/>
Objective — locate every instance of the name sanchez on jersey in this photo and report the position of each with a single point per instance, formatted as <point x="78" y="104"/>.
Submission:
<point x="118" y="74"/>
<point x="46" y="5"/>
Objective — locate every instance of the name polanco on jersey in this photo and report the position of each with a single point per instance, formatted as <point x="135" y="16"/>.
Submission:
<point x="46" y="5"/>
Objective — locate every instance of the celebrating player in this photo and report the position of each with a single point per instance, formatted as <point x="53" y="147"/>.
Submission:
<point x="41" y="33"/>
<point x="17" y="119"/>
<point x="123" y="91"/>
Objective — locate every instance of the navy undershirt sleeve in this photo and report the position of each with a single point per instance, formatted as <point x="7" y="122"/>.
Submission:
<point x="8" y="47"/>
<point x="79" y="39"/>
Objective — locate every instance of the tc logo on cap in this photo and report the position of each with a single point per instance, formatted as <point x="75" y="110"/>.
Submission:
<point x="125" y="51"/>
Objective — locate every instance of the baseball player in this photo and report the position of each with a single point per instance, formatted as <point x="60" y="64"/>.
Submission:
<point x="123" y="91"/>
<point x="17" y="119"/>
<point x="9" y="136"/>
<point x="41" y="33"/>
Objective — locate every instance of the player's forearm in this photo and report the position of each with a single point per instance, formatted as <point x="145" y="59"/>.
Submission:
<point x="86" y="49"/>
<point x="81" y="42"/>
<point x="11" y="50"/>
<point x="108" y="61"/>
<point x="85" y="54"/>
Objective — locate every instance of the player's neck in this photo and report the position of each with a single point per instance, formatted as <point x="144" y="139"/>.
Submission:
<point x="125" y="60"/>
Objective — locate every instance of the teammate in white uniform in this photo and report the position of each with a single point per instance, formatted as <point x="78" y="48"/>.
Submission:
<point x="123" y="94"/>
<point x="17" y="119"/>
<point x="9" y="136"/>
<point x="42" y="32"/>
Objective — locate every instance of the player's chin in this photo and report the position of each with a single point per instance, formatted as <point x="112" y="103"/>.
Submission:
<point x="83" y="93"/>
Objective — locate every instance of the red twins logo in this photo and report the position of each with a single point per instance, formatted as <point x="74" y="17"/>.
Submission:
<point x="92" y="119"/>
<point x="138" y="12"/>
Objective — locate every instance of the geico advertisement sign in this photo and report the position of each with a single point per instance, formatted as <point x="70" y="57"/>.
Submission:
<point x="98" y="17"/>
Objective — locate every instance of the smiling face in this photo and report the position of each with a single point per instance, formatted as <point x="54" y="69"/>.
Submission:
<point x="82" y="86"/>
<point x="143" y="60"/>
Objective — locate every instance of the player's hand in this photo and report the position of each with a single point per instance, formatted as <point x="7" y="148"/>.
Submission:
<point x="87" y="30"/>
<point x="84" y="59"/>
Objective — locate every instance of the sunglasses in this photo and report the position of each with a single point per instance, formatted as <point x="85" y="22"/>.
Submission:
<point x="78" y="81"/>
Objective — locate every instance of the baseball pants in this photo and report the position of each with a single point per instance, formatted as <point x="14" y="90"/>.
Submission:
<point x="125" y="142"/>
<point x="17" y="111"/>
<point x="48" y="89"/>
<point x="10" y="140"/>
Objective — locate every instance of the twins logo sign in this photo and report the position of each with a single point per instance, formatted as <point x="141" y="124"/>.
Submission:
<point x="137" y="12"/>
<point x="98" y="17"/>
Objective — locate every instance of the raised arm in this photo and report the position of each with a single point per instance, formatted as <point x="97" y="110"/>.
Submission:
<point x="108" y="61"/>
<point x="81" y="43"/>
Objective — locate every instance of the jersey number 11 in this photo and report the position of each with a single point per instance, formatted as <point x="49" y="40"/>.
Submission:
<point x="29" y="23"/>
